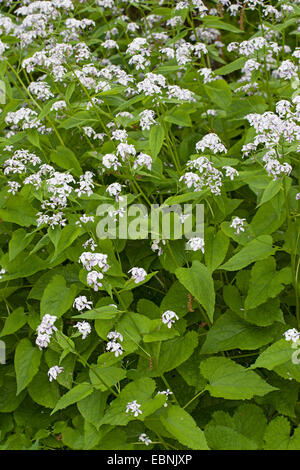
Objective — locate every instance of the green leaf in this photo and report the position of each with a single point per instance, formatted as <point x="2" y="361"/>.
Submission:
<point x="156" y="139"/>
<point x="18" y="242"/>
<point x="66" y="159"/>
<point x="169" y="354"/>
<point x="198" y="281"/>
<point x="140" y="390"/>
<point x="57" y="298"/>
<point x="176" y="299"/>
<point x="263" y="315"/>
<point x="9" y="399"/>
<point x="14" y="322"/>
<point x="278" y="435"/>
<point x="70" y="90"/>
<point x="220" y="93"/>
<point x="271" y="190"/>
<point x="256" y="250"/>
<point x="46" y="109"/>
<point x="92" y="407"/>
<point x="109" y="375"/>
<point x="131" y="284"/>
<point x="148" y="308"/>
<point x="65" y="343"/>
<point x="19" y="211"/>
<point x="216" y="247"/>
<point x="164" y="333"/>
<point x="79" y="119"/>
<point x="242" y="431"/>
<point x="42" y="391"/>
<point x="190" y="371"/>
<point x="178" y="116"/>
<point x="268" y="218"/>
<point x="284" y="399"/>
<point x="196" y="195"/>
<point x="62" y="239"/>
<point x="266" y="282"/>
<point x="231" y="332"/>
<point x="232" y="67"/>
<point x="278" y="357"/>
<point x="231" y="381"/>
<point x="183" y="427"/>
<point x="27" y="362"/>
<point x="101" y="313"/>
<point x="74" y="395"/>
<point x="215" y="22"/>
<point x="33" y="137"/>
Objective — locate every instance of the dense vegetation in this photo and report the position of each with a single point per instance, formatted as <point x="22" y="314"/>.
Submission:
<point x="151" y="343"/>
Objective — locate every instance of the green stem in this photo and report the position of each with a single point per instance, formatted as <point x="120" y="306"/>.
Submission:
<point x="193" y="399"/>
<point x="168" y="386"/>
<point x="84" y="361"/>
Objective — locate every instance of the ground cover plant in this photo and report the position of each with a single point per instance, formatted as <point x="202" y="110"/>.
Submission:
<point x="151" y="343"/>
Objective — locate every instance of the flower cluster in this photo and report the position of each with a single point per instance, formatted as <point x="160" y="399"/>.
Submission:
<point x="91" y="260"/>
<point x="81" y="303"/>
<point x="45" y="331"/>
<point x="138" y="274"/>
<point x="54" y="371"/>
<point x="169" y="317"/>
<point x="134" y="408"/>
<point x="238" y="225"/>
<point x="113" y="345"/>
<point x="84" y="328"/>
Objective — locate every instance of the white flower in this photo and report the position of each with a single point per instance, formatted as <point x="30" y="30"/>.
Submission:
<point x="147" y="119"/>
<point x="41" y="90"/>
<point x="125" y="150"/>
<point x="169" y="317"/>
<point x="292" y="334"/>
<point x="84" y="219"/>
<point x="287" y="70"/>
<point x="230" y="172"/>
<point x="85" y="184"/>
<point x="114" y="347"/>
<point x="238" y="224"/>
<point x="54" y="371"/>
<point x="114" y="335"/>
<point x="45" y="330"/>
<point x="110" y="160"/>
<point x="167" y="393"/>
<point x="89" y="260"/>
<point x="207" y="75"/>
<point x="58" y="105"/>
<point x="195" y="244"/>
<point x="144" y="438"/>
<point x="14" y="187"/>
<point x="114" y="189"/>
<point x="152" y="84"/>
<point x="90" y="243"/>
<point x="174" y="91"/>
<point x="212" y="142"/>
<point x="155" y="246"/>
<point x="93" y="279"/>
<point x="81" y="302"/>
<point x="84" y="328"/>
<point x="138" y="274"/>
<point x="43" y="340"/>
<point x="120" y="135"/>
<point x="134" y="407"/>
<point x="143" y="159"/>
